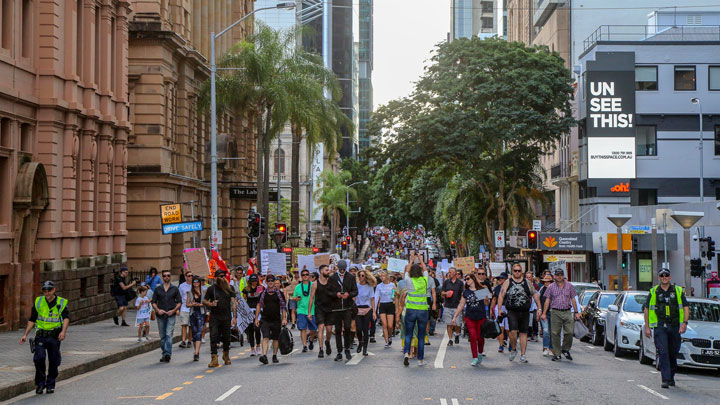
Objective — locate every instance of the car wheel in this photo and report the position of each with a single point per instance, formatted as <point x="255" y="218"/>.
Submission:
<point x="641" y="356"/>
<point x="617" y="351"/>
<point x="607" y="345"/>
<point x="597" y="336"/>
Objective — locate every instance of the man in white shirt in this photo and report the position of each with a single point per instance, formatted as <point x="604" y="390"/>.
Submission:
<point x="184" y="310"/>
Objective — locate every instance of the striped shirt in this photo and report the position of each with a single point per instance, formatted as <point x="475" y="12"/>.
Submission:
<point x="560" y="298"/>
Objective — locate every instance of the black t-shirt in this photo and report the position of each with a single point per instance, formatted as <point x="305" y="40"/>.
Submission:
<point x="457" y="289"/>
<point x="322" y="297"/>
<point x="667" y="309"/>
<point x="64" y="314"/>
<point x="474" y="306"/>
<point x="271" y="308"/>
<point x="496" y="291"/>
<point x="253" y="297"/>
<point x="223" y="310"/>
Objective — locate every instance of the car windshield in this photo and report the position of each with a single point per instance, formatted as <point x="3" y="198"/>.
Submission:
<point x="634" y="303"/>
<point x="580" y="288"/>
<point x="586" y="299"/>
<point x="606" y="300"/>
<point x="704" y="312"/>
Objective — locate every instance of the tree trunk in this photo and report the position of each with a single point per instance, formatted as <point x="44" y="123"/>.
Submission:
<point x="295" y="186"/>
<point x="333" y="240"/>
<point x="262" y="240"/>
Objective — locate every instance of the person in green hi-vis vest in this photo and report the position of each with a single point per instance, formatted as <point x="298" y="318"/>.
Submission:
<point x="666" y="318"/>
<point x="50" y="318"/>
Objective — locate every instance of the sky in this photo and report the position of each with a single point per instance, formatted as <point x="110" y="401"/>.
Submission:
<point x="405" y="33"/>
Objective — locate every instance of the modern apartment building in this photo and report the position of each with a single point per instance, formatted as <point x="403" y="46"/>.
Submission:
<point x="63" y="153"/>
<point x="365" y="61"/>
<point x="475" y="18"/>
<point x="168" y="147"/>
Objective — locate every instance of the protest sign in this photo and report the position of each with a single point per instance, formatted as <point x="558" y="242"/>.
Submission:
<point x="466" y="264"/>
<point x="300" y="251"/>
<point x="321" y="259"/>
<point x="397" y="265"/>
<point x="307" y="261"/>
<point x="276" y="263"/>
<point x="197" y="261"/>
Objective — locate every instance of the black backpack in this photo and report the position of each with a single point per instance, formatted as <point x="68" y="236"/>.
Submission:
<point x="285" y="341"/>
<point x="491" y="329"/>
<point x="115" y="289"/>
<point x="516" y="299"/>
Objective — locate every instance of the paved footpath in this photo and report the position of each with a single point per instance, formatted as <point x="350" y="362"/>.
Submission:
<point x="86" y="348"/>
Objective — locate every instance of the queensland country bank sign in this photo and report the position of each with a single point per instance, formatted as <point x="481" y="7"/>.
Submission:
<point x="610" y="122"/>
<point x="559" y="241"/>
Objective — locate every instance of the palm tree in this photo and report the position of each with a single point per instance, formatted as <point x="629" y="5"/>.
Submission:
<point x="269" y="73"/>
<point x="331" y="198"/>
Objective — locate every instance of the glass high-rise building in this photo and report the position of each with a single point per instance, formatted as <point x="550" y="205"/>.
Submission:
<point x="474" y="18"/>
<point x="365" y="56"/>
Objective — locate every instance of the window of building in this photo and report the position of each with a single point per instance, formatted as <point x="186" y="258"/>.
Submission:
<point x="487" y="22"/>
<point x="27" y="31"/>
<point x="5" y="133"/>
<point x="684" y="77"/>
<point x="646" y="140"/>
<point x="714" y="78"/>
<point x="643" y="196"/>
<point x="83" y="287"/>
<point x="7" y="23"/>
<point x="26" y="138"/>
<point x="79" y="47"/>
<point x="279" y="157"/>
<point x="717" y="140"/>
<point x="5" y="188"/>
<point x="101" y="283"/>
<point x="646" y="78"/>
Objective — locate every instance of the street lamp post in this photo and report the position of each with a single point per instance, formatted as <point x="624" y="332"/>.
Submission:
<point x="687" y="219"/>
<point x="696" y="100"/>
<point x="619" y="220"/>
<point x="213" y="117"/>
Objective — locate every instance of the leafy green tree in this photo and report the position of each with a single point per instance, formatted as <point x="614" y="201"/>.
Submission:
<point x="331" y="199"/>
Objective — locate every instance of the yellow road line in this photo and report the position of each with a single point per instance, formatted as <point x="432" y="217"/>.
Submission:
<point x="199" y="376"/>
<point x="177" y="388"/>
<point x="188" y="382"/>
<point x="138" y="397"/>
<point x="235" y="357"/>
<point x="163" y="396"/>
<point x="209" y="371"/>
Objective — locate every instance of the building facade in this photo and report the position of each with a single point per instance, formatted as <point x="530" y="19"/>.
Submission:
<point x="169" y="157"/>
<point x="475" y="18"/>
<point x="365" y="61"/>
<point x="63" y="153"/>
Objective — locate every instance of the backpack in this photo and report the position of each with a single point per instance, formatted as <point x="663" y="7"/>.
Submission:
<point x="285" y="341"/>
<point x="517" y="296"/>
<point x="115" y="289"/>
<point x="491" y="329"/>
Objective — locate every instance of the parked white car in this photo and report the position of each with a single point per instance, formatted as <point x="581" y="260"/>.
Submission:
<point x="700" y="344"/>
<point x="623" y="322"/>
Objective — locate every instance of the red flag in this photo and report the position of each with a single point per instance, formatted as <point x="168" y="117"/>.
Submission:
<point x="251" y="267"/>
<point x="220" y="263"/>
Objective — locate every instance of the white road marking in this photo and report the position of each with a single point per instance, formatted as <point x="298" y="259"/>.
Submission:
<point x="294" y="351"/>
<point x="591" y="347"/>
<point x="440" y="358"/>
<point x="357" y="359"/>
<point x="228" y="393"/>
<point x="443" y="401"/>
<point x="654" y="372"/>
<point x="657" y="394"/>
<point x="619" y="359"/>
<point x="631" y="380"/>
<point x="455" y="401"/>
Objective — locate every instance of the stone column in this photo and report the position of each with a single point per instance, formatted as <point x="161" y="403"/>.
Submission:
<point x="196" y="17"/>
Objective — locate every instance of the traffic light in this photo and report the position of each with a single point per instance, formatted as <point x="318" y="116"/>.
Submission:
<point x="282" y="228"/>
<point x="348" y="239"/>
<point x="696" y="268"/>
<point x="624" y="263"/>
<point x="263" y="225"/>
<point x="532" y="239"/>
<point x="253" y="224"/>
<point x="308" y="240"/>
<point x="344" y="244"/>
<point x="711" y="248"/>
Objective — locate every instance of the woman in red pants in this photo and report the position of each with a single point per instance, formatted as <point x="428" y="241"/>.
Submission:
<point x="474" y="299"/>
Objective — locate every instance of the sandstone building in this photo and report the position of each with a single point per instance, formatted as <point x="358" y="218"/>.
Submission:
<point x="63" y="152"/>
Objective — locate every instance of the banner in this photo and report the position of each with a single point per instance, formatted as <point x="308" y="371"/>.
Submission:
<point x="307" y="261"/>
<point x="466" y="264"/>
<point x="276" y="264"/>
<point x="321" y="259"/>
<point x="245" y="315"/>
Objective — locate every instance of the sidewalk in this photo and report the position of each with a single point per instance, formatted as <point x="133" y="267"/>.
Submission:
<point x="86" y="348"/>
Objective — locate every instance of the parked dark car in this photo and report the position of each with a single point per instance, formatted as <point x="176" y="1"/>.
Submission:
<point x="593" y="315"/>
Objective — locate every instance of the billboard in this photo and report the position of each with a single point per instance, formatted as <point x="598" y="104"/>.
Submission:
<point x="610" y="122"/>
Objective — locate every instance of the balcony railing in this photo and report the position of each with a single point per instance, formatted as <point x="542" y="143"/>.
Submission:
<point x="555" y="171"/>
<point x="652" y="33"/>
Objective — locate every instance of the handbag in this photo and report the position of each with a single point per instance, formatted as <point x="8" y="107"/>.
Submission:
<point x="580" y="330"/>
<point x="285" y="341"/>
<point x="491" y="329"/>
<point x="152" y="315"/>
<point x="363" y="311"/>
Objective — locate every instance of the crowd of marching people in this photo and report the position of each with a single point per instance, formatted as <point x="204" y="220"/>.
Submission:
<point x="358" y="304"/>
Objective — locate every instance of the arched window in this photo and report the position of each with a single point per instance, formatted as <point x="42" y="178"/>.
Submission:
<point x="279" y="157"/>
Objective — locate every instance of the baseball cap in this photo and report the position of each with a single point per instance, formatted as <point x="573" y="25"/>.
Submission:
<point x="342" y="264"/>
<point x="253" y="277"/>
<point x="270" y="277"/>
<point x="547" y="278"/>
<point x="664" y="272"/>
<point x="559" y="272"/>
<point x="502" y="275"/>
<point x="220" y="274"/>
<point x="48" y="285"/>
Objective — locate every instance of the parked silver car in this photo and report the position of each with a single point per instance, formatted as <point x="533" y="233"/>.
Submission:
<point x="623" y="322"/>
<point x="700" y="344"/>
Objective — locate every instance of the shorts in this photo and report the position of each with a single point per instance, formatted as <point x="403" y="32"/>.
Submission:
<point x="184" y="318"/>
<point x="270" y="330"/>
<point x="121" y="301"/>
<point x="292" y="305"/>
<point x="504" y="322"/>
<point x="323" y="317"/>
<point x="141" y="321"/>
<point x="306" y="322"/>
<point x="448" y="314"/>
<point x="387" y="308"/>
<point x="518" y="320"/>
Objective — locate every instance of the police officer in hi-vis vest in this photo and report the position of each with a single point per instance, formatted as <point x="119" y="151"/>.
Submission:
<point x="666" y="314"/>
<point x="50" y="317"/>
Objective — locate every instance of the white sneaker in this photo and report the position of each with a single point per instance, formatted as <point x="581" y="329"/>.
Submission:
<point x="523" y="359"/>
<point x="545" y="352"/>
<point x="203" y="340"/>
<point x="139" y="340"/>
<point x="513" y="354"/>
<point x="421" y="363"/>
<point x="474" y="362"/>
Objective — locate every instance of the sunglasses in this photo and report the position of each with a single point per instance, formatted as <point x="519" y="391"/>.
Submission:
<point x="467" y="278"/>
<point x="482" y="274"/>
<point x="166" y="275"/>
<point x="517" y="271"/>
<point x="305" y="274"/>
<point x="664" y="276"/>
<point x="361" y="275"/>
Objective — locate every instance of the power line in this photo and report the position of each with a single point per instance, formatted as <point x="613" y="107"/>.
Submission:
<point x="589" y="8"/>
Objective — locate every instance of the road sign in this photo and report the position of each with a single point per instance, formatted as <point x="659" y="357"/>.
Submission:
<point x="217" y="237"/>
<point x="639" y="229"/>
<point x="537" y="224"/>
<point x="498" y="255"/>
<point x="170" y="213"/>
<point x="499" y="239"/>
<point x="182" y="227"/>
